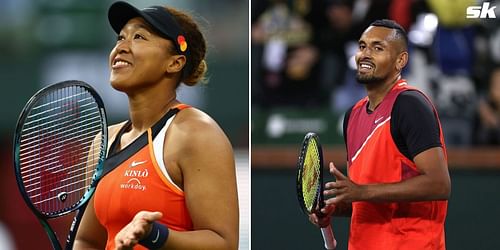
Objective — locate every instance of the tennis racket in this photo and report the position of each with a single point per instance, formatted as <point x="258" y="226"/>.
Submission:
<point x="59" y="147"/>
<point x="310" y="183"/>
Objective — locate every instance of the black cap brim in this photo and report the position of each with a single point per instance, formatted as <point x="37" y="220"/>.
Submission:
<point x="158" y="18"/>
<point x="120" y="13"/>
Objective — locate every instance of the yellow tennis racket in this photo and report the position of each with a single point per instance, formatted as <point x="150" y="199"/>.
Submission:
<point x="310" y="183"/>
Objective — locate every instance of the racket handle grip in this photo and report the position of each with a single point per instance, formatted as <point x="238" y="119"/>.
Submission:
<point x="330" y="242"/>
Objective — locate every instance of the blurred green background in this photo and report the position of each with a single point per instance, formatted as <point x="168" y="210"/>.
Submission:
<point x="278" y="223"/>
<point x="44" y="42"/>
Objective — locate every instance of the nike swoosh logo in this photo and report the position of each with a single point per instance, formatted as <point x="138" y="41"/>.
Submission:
<point x="137" y="163"/>
<point x="379" y="119"/>
<point x="157" y="236"/>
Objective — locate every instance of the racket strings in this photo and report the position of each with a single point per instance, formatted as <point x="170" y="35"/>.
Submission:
<point x="56" y="149"/>
<point x="54" y="169"/>
<point x="60" y="146"/>
<point x="87" y="174"/>
<point x="62" y="126"/>
<point x="52" y="111"/>
<point x="64" y="98"/>
<point x="311" y="174"/>
<point x="31" y="159"/>
<point x="71" y="194"/>
<point x="58" y="125"/>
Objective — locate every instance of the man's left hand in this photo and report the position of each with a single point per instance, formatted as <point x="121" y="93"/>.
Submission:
<point x="343" y="188"/>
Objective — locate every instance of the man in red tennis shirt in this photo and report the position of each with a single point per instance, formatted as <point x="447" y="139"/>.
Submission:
<point x="398" y="183"/>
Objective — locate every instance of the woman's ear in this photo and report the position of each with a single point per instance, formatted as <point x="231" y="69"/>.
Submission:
<point x="175" y="63"/>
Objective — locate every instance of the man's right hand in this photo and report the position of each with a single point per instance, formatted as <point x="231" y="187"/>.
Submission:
<point x="322" y="220"/>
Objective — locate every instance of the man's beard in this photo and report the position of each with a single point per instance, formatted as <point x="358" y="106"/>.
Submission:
<point x="368" y="79"/>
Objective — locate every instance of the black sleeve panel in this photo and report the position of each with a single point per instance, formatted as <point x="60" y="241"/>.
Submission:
<point x="414" y="126"/>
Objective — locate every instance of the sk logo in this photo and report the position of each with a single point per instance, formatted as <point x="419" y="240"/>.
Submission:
<point x="481" y="11"/>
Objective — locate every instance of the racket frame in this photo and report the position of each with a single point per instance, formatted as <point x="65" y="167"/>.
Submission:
<point x="44" y="217"/>
<point x="319" y="200"/>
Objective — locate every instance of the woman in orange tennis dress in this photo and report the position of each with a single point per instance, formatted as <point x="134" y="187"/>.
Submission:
<point x="170" y="181"/>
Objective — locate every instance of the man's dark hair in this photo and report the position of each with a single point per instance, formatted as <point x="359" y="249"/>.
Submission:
<point x="390" y="24"/>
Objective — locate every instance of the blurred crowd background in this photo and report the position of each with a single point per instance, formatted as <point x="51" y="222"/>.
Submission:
<point x="44" y="42"/>
<point x="302" y="59"/>
<point x="303" y="79"/>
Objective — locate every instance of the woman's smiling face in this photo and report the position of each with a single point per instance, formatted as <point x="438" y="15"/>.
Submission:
<point x="140" y="56"/>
